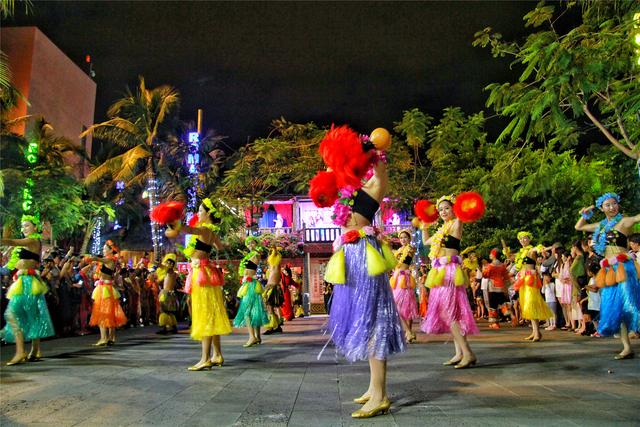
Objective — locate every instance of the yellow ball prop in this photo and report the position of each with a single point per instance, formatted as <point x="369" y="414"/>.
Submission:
<point x="381" y="139"/>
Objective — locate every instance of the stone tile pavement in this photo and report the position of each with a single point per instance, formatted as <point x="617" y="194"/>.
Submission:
<point x="564" y="380"/>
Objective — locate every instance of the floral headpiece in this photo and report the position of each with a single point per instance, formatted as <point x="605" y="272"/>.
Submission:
<point x="525" y="234"/>
<point x="169" y="257"/>
<point x="405" y="231"/>
<point x="33" y="220"/>
<point x="209" y="205"/>
<point x="606" y="196"/>
<point x="251" y="239"/>
<point x="112" y="245"/>
<point x="451" y="198"/>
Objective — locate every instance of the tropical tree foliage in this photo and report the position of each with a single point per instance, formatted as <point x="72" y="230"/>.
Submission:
<point x="282" y="163"/>
<point x="57" y="193"/>
<point x="574" y="79"/>
<point x="538" y="189"/>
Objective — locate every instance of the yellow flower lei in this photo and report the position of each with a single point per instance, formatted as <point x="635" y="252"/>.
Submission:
<point x="438" y="237"/>
<point x="403" y="252"/>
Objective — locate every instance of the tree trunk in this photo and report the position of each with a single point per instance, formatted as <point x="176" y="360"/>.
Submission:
<point x="87" y="236"/>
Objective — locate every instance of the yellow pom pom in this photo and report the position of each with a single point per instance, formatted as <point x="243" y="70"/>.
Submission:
<point x="460" y="277"/>
<point x="242" y="291"/>
<point x="375" y="261"/>
<point x="15" y="288"/>
<point x="389" y="258"/>
<point x="334" y="273"/>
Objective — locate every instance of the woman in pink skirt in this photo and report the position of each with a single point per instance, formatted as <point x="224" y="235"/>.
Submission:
<point x="404" y="286"/>
<point x="449" y="310"/>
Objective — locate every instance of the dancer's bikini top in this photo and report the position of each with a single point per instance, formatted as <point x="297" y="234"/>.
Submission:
<point x="451" y="242"/>
<point x="365" y="205"/>
<point x="201" y="246"/>
<point x="616" y="238"/>
<point x="106" y="270"/>
<point x="250" y="265"/>
<point x="24" y="253"/>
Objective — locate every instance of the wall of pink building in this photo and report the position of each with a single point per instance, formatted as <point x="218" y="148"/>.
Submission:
<point x="53" y="84"/>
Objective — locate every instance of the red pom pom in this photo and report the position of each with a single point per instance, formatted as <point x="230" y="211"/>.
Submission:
<point x="193" y="222"/>
<point x="605" y="263"/>
<point x="341" y="150"/>
<point x="426" y="211"/>
<point x="167" y="212"/>
<point x="622" y="257"/>
<point x="323" y="189"/>
<point x="469" y="206"/>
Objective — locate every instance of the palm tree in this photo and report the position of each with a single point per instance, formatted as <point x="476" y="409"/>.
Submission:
<point x="141" y="123"/>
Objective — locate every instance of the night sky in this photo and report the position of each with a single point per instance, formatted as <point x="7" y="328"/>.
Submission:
<point x="246" y="63"/>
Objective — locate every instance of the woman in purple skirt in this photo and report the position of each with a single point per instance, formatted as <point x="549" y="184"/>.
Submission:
<point x="364" y="322"/>
<point x="449" y="310"/>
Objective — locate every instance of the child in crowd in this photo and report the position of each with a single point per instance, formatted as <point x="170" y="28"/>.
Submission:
<point x="548" y="288"/>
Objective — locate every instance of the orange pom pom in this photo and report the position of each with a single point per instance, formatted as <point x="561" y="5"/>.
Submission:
<point x="381" y="139"/>
<point x="426" y="211"/>
<point x="620" y="273"/>
<point x="469" y="206"/>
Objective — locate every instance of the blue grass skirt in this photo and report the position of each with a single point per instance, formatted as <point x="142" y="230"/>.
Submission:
<point x="27" y="310"/>
<point x="252" y="311"/>
<point x="364" y="320"/>
<point x="620" y="303"/>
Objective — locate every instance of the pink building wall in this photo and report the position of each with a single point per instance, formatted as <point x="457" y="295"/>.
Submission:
<point x="54" y="86"/>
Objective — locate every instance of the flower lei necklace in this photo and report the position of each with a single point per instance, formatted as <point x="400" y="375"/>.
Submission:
<point x="438" y="237"/>
<point x="600" y="235"/>
<point x="404" y="252"/>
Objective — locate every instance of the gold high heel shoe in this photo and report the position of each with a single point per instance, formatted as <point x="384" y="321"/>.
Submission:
<point x="466" y="363"/>
<point x="630" y="355"/>
<point x="362" y="399"/>
<point x="452" y="362"/>
<point x="217" y="361"/>
<point x="197" y="367"/>
<point x="536" y="339"/>
<point x="35" y="357"/>
<point x="100" y="343"/>
<point x="22" y="359"/>
<point x="250" y="343"/>
<point x="381" y="409"/>
<point x="529" y="338"/>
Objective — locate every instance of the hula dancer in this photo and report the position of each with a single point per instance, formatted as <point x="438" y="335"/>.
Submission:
<point x="106" y="313"/>
<point x="251" y="312"/>
<point x="618" y="277"/>
<point x="364" y="322"/>
<point x="168" y="298"/>
<point x="204" y="283"/>
<point x="27" y="315"/>
<point x="449" y="310"/>
<point x="404" y="285"/>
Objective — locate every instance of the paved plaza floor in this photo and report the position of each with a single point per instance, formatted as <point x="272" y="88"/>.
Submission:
<point x="564" y="380"/>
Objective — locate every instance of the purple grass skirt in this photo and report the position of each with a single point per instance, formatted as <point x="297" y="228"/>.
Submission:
<point x="364" y="321"/>
<point x="449" y="303"/>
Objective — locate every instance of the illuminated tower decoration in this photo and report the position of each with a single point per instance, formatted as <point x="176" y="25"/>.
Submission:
<point x="96" y="236"/>
<point x="193" y="163"/>
<point x="156" y="236"/>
